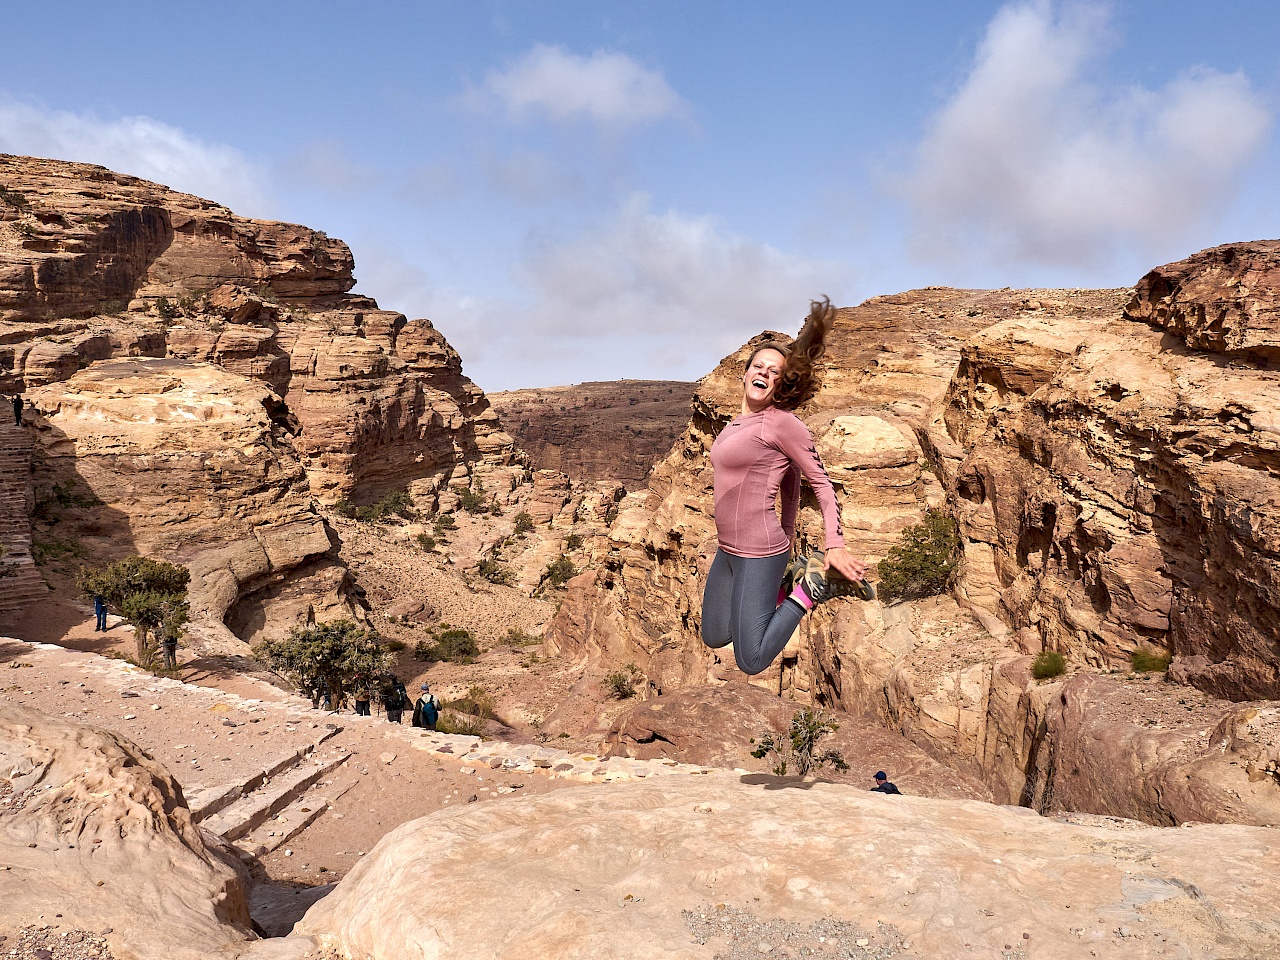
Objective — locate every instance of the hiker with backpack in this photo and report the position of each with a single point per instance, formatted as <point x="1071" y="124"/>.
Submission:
<point x="394" y="699"/>
<point x="755" y="594"/>
<point x="427" y="709"/>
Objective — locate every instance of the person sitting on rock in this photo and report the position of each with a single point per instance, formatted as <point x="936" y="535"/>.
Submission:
<point x="754" y="597"/>
<point x="426" y="711"/>
<point x="883" y="785"/>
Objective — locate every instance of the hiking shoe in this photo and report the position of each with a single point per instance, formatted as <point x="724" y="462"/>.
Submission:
<point x="794" y="571"/>
<point x="821" y="585"/>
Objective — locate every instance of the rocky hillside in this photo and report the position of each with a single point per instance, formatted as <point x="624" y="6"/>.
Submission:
<point x="103" y="858"/>
<point x="597" y="431"/>
<point x="1111" y="456"/>
<point x="198" y="381"/>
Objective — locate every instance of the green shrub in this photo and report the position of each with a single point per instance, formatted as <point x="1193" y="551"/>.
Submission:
<point x="166" y="309"/>
<point x="495" y="572"/>
<point x="151" y="594"/>
<point x="453" y="644"/>
<point x="524" y="523"/>
<point x="444" y="522"/>
<point x="1148" y="661"/>
<point x="339" y="653"/>
<point x="922" y="561"/>
<point x="559" y="572"/>
<point x="395" y="646"/>
<point x="427" y="542"/>
<point x="622" y="683"/>
<point x="14" y="199"/>
<point x="799" y="748"/>
<point x="345" y="508"/>
<point x="516" y="637"/>
<point x="1048" y="663"/>
<point x="471" y="499"/>
<point x="478" y="702"/>
<point x="460" y="723"/>
<point x="573" y="541"/>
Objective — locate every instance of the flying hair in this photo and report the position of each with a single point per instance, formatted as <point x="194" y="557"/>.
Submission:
<point x="799" y="379"/>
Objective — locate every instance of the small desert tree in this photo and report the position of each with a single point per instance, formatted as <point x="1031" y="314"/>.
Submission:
<point x="922" y="562"/>
<point x="339" y="653"/>
<point x="151" y="594"/>
<point x="800" y="747"/>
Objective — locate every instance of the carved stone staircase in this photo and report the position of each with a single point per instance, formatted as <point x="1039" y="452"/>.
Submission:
<point x="20" y="582"/>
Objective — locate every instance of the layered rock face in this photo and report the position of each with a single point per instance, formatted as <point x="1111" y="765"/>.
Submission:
<point x="1110" y="495"/>
<point x="97" y="833"/>
<point x="182" y="460"/>
<point x="340" y="399"/>
<point x="597" y="431"/>
<point x="1121" y="487"/>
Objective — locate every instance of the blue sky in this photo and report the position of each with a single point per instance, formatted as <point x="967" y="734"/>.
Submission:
<point x="594" y="190"/>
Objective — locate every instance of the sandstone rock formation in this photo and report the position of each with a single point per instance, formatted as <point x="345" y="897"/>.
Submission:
<point x="727" y="866"/>
<point x="1093" y="524"/>
<point x="597" y="431"/>
<point x="1121" y="487"/>
<point x="182" y="460"/>
<point x="341" y="400"/>
<point x="96" y="832"/>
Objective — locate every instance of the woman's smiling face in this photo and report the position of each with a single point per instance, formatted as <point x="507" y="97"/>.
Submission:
<point x="760" y="382"/>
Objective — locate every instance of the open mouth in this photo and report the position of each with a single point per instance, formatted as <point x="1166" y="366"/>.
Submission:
<point x="760" y="384"/>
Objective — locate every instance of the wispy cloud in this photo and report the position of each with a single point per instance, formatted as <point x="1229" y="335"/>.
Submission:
<point x="1031" y="161"/>
<point x="139" y="146"/>
<point x="608" y="88"/>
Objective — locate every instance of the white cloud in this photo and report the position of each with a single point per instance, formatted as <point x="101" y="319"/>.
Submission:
<point x="670" y="275"/>
<point x="1030" y="161"/>
<point x="609" y="88"/>
<point x="641" y="295"/>
<point x="328" y="163"/>
<point x="138" y="146"/>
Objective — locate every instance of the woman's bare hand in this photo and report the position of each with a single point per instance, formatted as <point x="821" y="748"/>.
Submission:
<point x="846" y="564"/>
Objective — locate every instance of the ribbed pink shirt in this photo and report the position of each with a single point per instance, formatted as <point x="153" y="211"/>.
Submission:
<point x="755" y="455"/>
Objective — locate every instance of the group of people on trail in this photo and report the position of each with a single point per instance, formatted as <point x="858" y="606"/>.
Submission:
<point x="393" y="696"/>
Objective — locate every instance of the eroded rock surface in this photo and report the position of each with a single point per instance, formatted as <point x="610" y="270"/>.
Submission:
<point x="1115" y="490"/>
<point x="692" y="867"/>
<point x="96" y="832"/>
<point x="597" y="431"/>
<point x="182" y="460"/>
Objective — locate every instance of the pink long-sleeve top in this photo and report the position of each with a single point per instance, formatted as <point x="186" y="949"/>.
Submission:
<point x="755" y="455"/>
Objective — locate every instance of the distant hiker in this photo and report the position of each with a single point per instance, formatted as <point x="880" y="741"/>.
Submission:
<point x="17" y="409"/>
<point x="100" y="610"/>
<point x="170" y="645"/>
<point x="883" y="785"/>
<point x="324" y="695"/>
<point x="394" y="700"/>
<point x="426" y="711"/>
<point x="360" y="694"/>
<point x="755" y="595"/>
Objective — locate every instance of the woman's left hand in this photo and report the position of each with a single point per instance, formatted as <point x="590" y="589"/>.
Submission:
<point x="846" y="564"/>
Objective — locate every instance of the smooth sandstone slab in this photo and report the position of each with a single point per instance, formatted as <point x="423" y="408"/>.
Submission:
<point x="609" y="871"/>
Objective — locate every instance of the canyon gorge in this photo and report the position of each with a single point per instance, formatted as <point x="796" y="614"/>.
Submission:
<point x="204" y="388"/>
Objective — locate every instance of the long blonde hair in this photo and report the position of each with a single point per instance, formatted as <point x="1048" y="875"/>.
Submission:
<point x="799" y="382"/>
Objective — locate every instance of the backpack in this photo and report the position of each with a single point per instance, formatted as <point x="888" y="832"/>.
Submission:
<point x="430" y="712"/>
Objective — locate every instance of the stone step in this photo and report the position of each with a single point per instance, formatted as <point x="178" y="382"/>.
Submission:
<point x="205" y="803"/>
<point x="290" y="821"/>
<point x="243" y="815"/>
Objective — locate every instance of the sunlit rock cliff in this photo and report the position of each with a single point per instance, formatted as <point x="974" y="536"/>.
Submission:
<point x="1112" y="459"/>
<point x="271" y="388"/>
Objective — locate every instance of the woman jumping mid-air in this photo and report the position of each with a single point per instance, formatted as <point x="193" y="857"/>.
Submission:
<point x="755" y="595"/>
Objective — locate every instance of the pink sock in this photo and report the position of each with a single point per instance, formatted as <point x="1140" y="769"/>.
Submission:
<point x="802" y="598"/>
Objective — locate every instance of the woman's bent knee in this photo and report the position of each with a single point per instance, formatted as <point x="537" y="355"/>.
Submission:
<point x="752" y="665"/>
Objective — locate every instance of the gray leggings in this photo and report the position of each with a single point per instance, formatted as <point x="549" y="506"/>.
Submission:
<point x="739" y="606"/>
